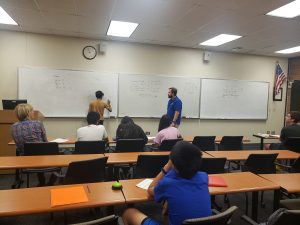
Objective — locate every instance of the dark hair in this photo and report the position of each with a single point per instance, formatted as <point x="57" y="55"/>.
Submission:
<point x="126" y="119"/>
<point x="173" y="90"/>
<point x="99" y="94"/>
<point x="165" y="121"/>
<point x="186" y="159"/>
<point x="92" y="118"/>
<point x="295" y="115"/>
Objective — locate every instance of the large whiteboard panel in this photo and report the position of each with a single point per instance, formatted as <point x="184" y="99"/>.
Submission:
<point x="65" y="93"/>
<point x="147" y="95"/>
<point x="233" y="99"/>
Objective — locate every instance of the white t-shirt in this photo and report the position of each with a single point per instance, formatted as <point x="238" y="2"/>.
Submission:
<point x="91" y="133"/>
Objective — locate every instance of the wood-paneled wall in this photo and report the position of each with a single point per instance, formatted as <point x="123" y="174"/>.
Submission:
<point x="293" y="74"/>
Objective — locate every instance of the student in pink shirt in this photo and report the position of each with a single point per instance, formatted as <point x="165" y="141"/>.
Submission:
<point x="166" y="131"/>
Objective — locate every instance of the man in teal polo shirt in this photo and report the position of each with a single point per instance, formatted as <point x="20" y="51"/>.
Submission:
<point x="174" y="107"/>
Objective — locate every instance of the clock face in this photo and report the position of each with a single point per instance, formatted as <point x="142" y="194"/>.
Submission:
<point x="89" y="52"/>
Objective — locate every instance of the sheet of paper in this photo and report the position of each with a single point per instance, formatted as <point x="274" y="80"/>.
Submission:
<point x="275" y="135"/>
<point x="68" y="195"/>
<point x="145" y="184"/>
<point x="60" y="140"/>
<point x="263" y="135"/>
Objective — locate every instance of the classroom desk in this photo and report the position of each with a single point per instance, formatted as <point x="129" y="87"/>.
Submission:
<point x="290" y="182"/>
<point x="41" y="161"/>
<point x="188" y="138"/>
<point x="71" y="141"/>
<point x="262" y="138"/>
<point x="237" y="183"/>
<point x="241" y="155"/>
<point x="37" y="200"/>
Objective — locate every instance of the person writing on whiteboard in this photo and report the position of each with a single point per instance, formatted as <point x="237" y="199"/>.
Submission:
<point x="99" y="105"/>
<point x="174" y="107"/>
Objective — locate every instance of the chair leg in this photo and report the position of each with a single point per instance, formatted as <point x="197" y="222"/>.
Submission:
<point x="247" y="202"/>
<point x="27" y="180"/>
<point x="262" y="204"/>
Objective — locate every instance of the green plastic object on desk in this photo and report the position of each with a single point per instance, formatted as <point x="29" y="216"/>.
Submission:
<point x="116" y="186"/>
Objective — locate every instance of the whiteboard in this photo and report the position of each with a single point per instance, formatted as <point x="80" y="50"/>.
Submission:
<point x="147" y="95"/>
<point x="234" y="99"/>
<point x="65" y="93"/>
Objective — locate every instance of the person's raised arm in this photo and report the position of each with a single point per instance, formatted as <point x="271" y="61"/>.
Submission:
<point x="162" y="173"/>
<point x="108" y="105"/>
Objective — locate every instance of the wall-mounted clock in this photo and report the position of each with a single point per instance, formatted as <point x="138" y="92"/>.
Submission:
<point x="89" y="52"/>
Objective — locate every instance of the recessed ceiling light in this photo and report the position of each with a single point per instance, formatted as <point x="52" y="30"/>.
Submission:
<point x="289" y="50"/>
<point x="289" y="10"/>
<point x="5" y="18"/>
<point x="121" y="29"/>
<point x="220" y="39"/>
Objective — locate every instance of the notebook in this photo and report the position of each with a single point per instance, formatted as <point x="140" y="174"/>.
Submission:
<point x="68" y="195"/>
<point x="215" y="181"/>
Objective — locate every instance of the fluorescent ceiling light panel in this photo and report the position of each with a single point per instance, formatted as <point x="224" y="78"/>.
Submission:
<point x="289" y="10"/>
<point x="289" y="50"/>
<point x="220" y="39"/>
<point x="121" y="29"/>
<point x="5" y="18"/>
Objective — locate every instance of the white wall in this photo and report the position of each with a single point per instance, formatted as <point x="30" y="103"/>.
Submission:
<point x="26" y="49"/>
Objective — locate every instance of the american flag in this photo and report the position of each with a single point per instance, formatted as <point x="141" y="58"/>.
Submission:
<point x="279" y="78"/>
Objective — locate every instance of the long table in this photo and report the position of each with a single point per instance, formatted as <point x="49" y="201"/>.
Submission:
<point x="37" y="200"/>
<point x="237" y="183"/>
<point x="241" y="155"/>
<point x="71" y="141"/>
<point x="267" y="137"/>
<point x="289" y="182"/>
<point x="22" y="162"/>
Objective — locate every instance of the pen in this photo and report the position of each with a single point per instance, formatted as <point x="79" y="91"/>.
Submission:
<point x="89" y="191"/>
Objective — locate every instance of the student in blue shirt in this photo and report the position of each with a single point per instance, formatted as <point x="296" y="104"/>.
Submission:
<point x="180" y="185"/>
<point x="174" y="107"/>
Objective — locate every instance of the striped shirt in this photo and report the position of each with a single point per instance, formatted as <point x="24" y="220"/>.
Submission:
<point x="28" y="131"/>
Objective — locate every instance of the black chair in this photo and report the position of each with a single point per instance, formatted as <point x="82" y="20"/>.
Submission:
<point x="205" y="143"/>
<point x="127" y="145"/>
<point x="90" y="147"/>
<point x="294" y="168"/>
<point x="130" y="145"/>
<point x="218" y="219"/>
<point x="148" y="166"/>
<point x="293" y="144"/>
<point x="167" y="145"/>
<point x="292" y="204"/>
<point x="281" y="217"/>
<point x="213" y="165"/>
<point x="108" y="220"/>
<point x="260" y="164"/>
<point x="231" y="143"/>
<point x="40" y="148"/>
<point x="87" y="171"/>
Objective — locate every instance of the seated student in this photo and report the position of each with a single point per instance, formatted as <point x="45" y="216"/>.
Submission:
<point x="292" y="129"/>
<point x="28" y="130"/>
<point x="166" y="131"/>
<point x="93" y="131"/>
<point x="127" y="129"/>
<point x="180" y="175"/>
